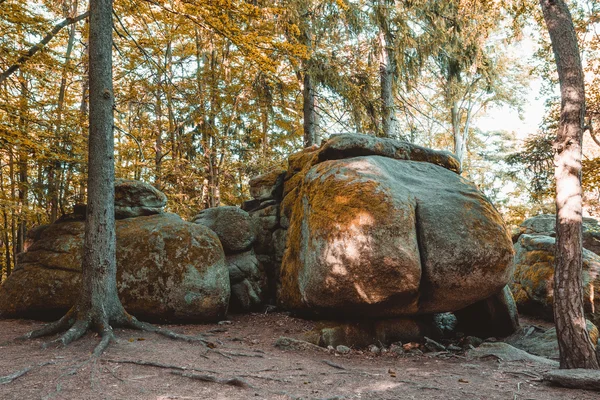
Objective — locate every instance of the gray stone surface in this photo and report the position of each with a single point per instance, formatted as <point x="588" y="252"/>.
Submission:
<point x="542" y="342"/>
<point x="574" y="378"/>
<point x="247" y="279"/>
<point x="506" y="352"/>
<point x="353" y="145"/>
<point x="135" y="199"/>
<point x="234" y="227"/>
<point x="545" y="224"/>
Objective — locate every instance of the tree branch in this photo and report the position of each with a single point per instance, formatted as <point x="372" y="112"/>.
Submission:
<point x="590" y="128"/>
<point x="33" y="50"/>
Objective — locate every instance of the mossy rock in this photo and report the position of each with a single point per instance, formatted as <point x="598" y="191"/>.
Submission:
<point x="374" y="236"/>
<point x="533" y="281"/>
<point x="168" y="270"/>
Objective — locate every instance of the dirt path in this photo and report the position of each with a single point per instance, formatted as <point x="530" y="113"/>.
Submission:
<point x="248" y="365"/>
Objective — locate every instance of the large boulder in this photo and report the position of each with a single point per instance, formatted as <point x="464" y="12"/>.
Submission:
<point x="234" y="227"/>
<point x="533" y="281"/>
<point x="545" y="224"/>
<point x="167" y="270"/>
<point x="374" y="236"/>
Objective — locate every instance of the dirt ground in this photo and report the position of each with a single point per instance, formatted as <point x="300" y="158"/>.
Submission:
<point x="245" y="364"/>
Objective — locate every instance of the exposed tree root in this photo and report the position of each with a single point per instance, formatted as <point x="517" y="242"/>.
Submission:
<point x="53" y="328"/>
<point x="4" y="380"/>
<point x="237" y="382"/>
<point x="157" y="365"/>
<point x="15" y="375"/>
<point x="78" y="323"/>
<point x="134" y="323"/>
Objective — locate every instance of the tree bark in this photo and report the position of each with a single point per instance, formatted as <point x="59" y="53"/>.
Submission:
<point x="387" y="68"/>
<point x="99" y="290"/>
<point x="576" y="349"/>
<point x="309" y="112"/>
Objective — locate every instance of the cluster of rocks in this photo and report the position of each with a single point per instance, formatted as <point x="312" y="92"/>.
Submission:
<point x="533" y="279"/>
<point x="379" y="236"/>
<point x="237" y="232"/>
<point x="383" y="239"/>
<point x="167" y="269"/>
<point x="271" y="228"/>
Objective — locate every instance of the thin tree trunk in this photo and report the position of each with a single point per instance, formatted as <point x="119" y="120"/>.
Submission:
<point x="308" y="90"/>
<point x="459" y="139"/>
<point x="389" y="122"/>
<point x="23" y="160"/>
<point x="57" y="168"/>
<point x="309" y="112"/>
<point x="576" y="349"/>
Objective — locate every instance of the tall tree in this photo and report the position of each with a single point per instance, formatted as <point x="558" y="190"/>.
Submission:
<point x="98" y="306"/>
<point x="576" y="349"/>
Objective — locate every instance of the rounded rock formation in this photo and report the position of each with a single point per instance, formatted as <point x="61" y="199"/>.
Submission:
<point x="167" y="270"/>
<point x="379" y="228"/>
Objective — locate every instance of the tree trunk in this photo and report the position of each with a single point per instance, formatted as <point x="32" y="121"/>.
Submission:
<point x="99" y="270"/>
<point x="576" y="349"/>
<point x="309" y="99"/>
<point x="23" y="161"/>
<point x="309" y="112"/>
<point x="386" y="72"/>
<point x="459" y="140"/>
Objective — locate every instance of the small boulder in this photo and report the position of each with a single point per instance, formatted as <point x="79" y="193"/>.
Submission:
<point x="267" y="186"/>
<point x="234" y="227"/>
<point x="545" y="225"/>
<point x="134" y="199"/>
<point x="533" y="279"/>
<point x="247" y="281"/>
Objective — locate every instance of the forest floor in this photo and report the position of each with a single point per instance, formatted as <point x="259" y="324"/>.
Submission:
<point x="245" y="364"/>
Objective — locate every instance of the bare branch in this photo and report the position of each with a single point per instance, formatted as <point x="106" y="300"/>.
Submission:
<point x="33" y="50"/>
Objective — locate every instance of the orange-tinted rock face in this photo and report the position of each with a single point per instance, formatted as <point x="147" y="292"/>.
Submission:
<point x="380" y="237"/>
<point x="533" y="282"/>
<point x="167" y="270"/>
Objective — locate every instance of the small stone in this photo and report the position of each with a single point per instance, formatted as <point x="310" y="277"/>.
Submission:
<point x="396" y="348"/>
<point x="374" y="349"/>
<point x="343" y="349"/>
<point x="453" y="348"/>
<point x="224" y="322"/>
<point x="415" y="352"/>
<point x="473" y="341"/>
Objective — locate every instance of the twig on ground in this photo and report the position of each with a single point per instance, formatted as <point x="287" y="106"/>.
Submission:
<point x="334" y="365"/>
<point x="266" y="378"/>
